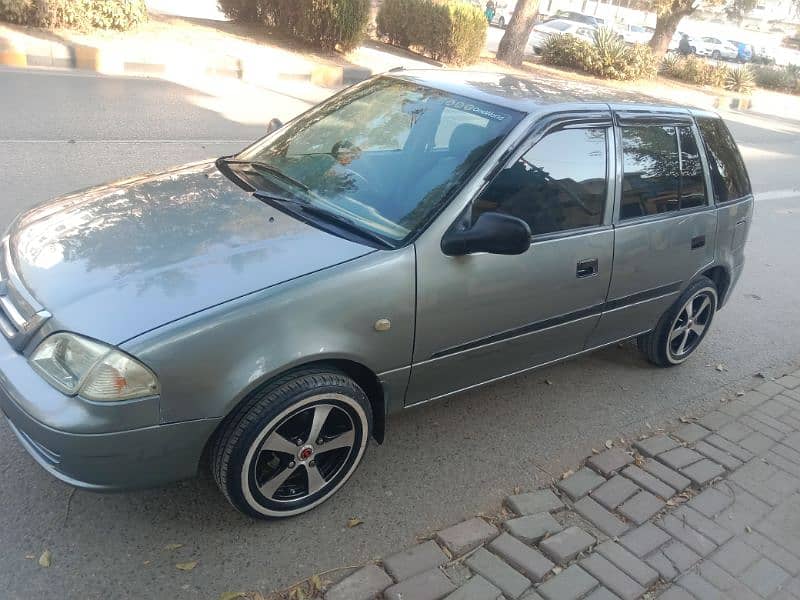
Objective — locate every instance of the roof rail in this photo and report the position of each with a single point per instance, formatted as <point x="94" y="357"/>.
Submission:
<point x="395" y="69"/>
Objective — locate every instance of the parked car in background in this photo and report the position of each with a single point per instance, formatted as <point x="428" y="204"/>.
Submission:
<point x="541" y="32"/>
<point x="744" y="52"/>
<point x="715" y="48"/>
<point x="635" y="34"/>
<point x="418" y="235"/>
<point x="502" y="13"/>
<point x="578" y="17"/>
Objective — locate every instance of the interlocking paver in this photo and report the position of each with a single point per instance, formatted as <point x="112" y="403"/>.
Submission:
<point x="769" y="388"/>
<point x="766" y="547"/>
<point x="465" y="536"/>
<point x="734" y="431"/>
<point x="782" y="463"/>
<point x="774" y="408"/>
<point x="655" y="445"/>
<point x="757" y="443"/>
<point x="644" y="539"/>
<point x="703" y="472"/>
<point x="641" y="507"/>
<point x="766" y="482"/>
<point x="677" y="458"/>
<point x="786" y="452"/>
<point x="736" y="408"/>
<point x="580" y="483"/>
<point x="564" y="546"/>
<point x="764" y="577"/>
<point x="728" y="446"/>
<point x="724" y="581"/>
<point x="771" y="422"/>
<point x="528" y="561"/>
<point x="572" y="583"/>
<point x="672" y="478"/>
<point x="718" y="456"/>
<point x="615" y="491"/>
<point x="509" y="580"/>
<point x="601" y="518"/>
<point x="531" y="503"/>
<point x="754" y="398"/>
<point x="714" y="420"/>
<point x="415" y="560"/>
<point x="649" y="482"/>
<point x="782" y="525"/>
<point x="629" y="564"/>
<point x="609" y="461"/>
<point x="612" y="577"/>
<point x="532" y="528"/>
<point x="689" y="536"/>
<point x="735" y="556"/>
<point x="602" y="593"/>
<point x="745" y="510"/>
<point x="680" y="555"/>
<point x="676" y="593"/>
<point x="699" y="587"/>
<point x="658" y="561"/>
<point x="430" y="585"/>
<point x="789" y="381"/>
<point x="699" y="522"/>
<point x="364" y="584"/>
<point x="711" y="501"/>
<point x="477" y="588"/>
<point x="691" y="433"/>
<point x="770" y="432"/>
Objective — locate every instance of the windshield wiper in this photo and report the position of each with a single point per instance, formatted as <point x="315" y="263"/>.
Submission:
<point x="268" y="168"/>
<point x="327" y="216"/>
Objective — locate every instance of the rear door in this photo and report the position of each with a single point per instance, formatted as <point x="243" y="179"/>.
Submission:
<point x="664" y="222"/>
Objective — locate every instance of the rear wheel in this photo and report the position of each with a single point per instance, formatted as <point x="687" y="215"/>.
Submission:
<point x="502" y="22"/>
<point x="292" y="444"/>
<point x="683" y="326"/>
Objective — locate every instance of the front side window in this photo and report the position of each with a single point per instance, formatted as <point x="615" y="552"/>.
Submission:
<point x="728" y="175"/>
<point x="693" y="182"/>
<point x="382" y="157"/>
<point x="559" y="184"/>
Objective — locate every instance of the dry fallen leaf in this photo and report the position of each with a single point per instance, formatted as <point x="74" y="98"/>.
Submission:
<point x="567" y="473"/>
<point x="316" y="584"/>
<point x="548" y="382"/>
<point x="748" y="529"/>
<point x="45" y="559"/>
<point x="232" y="595"/>
<point x="354" y="522"/>
<point x="609" y="444"/>
<point x="760" y="375"/>
<point x="173" y="546"/>
<point x="721" y="367"/>
<point x="595" y="451"/>
<point x="557" y="570"/>
<point x="187" y="566"/>
<point x="740" y="393"/>
<point x="30" y="556"/>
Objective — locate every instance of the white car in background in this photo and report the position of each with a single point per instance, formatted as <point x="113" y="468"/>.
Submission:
<point x="542" y="31"/>
<point x="502" y="13"/>
<point x="715" y="48"/>
<point x="635" y="34"/>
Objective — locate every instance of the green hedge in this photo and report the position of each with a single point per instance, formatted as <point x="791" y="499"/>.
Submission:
<point x="450" y="31"/>
<point x="781" y="79"/>
<point x="75" y="14"/>
<point x="326" y="24"/>
<point x="607" y="56"/>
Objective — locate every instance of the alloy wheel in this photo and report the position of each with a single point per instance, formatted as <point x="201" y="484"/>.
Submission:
<point x="691" y="325"/>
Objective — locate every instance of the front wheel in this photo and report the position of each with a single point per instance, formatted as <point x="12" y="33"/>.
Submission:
<point x="683" y="326"/>
<point x="293" y="443"/>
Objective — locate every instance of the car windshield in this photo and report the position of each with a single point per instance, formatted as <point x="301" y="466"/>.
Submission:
<point x="383" y="157"/>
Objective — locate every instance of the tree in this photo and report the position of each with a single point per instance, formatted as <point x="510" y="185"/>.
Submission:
<point x="515" y="40"/>
<point x="738" y="9"/>
<point x="669" y="14"/>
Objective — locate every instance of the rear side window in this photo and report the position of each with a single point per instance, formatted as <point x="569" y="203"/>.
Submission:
<point x="651" y="182"/>
<point x="693" y="183"/>
<point x="728" y="174"/>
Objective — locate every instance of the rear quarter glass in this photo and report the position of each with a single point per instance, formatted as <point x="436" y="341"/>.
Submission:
<point x="728" y="174"/>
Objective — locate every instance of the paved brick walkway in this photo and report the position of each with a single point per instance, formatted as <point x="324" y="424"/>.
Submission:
<point x="711" y="511"/>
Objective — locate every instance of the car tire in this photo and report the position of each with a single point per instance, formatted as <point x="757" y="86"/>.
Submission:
<point x="502" y="22"/>
<point x="682" y="328"/>
<point x="293" y="443"/>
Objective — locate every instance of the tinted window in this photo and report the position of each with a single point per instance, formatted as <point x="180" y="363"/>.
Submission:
<point x="728" y="175"/>
<point x="693" y="185"/>
<point x="558" y="184"/>
<point x="651" y="182"/>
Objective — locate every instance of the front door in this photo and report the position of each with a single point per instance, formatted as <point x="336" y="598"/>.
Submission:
<point x="483" y="316"/>
<point x="665" y="227"/>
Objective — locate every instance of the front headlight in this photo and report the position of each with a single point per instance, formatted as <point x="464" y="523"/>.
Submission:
<point x="77" y="365"/>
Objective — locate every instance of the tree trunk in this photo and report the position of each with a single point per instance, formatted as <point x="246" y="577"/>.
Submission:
<point x="666" y="26"/>
<point x="515" y="40"/>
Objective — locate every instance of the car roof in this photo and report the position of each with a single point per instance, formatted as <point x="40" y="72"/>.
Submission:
<point x="532" y="95"/>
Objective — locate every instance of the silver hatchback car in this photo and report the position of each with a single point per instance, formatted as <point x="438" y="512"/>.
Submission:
<point x="419" y="234"/>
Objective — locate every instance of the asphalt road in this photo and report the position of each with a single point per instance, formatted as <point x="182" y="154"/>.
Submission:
<point x="440" y="462"/>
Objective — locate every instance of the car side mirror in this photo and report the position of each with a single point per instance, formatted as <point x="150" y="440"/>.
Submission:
<point x="274" y="125"/>
<point x="493" y="232"/>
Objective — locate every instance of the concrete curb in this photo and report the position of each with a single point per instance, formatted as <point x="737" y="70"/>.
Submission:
<point x="108" y="61"/>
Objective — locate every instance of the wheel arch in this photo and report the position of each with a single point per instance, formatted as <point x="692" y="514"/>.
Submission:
<point x="722" y="280"/>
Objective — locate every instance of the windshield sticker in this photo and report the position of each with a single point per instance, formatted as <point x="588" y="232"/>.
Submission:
<point x="475" y="109"/>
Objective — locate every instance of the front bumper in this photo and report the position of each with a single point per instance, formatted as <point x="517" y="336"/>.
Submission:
<point x="95" y="460"/>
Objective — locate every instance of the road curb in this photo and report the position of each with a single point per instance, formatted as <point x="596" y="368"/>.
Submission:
<point x="112" y="61"/>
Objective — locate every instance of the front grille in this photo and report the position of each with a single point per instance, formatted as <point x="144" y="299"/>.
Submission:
<point x="21" y="316"/>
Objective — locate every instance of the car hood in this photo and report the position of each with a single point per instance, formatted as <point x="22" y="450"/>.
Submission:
<point x="115" y="261"/>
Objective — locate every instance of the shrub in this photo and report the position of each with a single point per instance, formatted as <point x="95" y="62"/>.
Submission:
<point x="693" y="69"/>
<point x="786" y="79"/>
<point x="740" y="79"/>
<point x="606" y="56"/>
<point x="451" y="31"/>
<point x="75" y="14"/>
<point x="326" y="24"/>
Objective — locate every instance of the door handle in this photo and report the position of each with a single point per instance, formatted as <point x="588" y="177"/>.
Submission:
<point x="586" y="268"/>
<point x="698" y="242"/>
